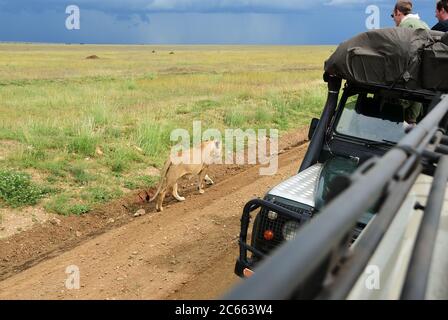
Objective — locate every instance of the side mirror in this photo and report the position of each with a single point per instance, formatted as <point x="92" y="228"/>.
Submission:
<point x="313" y="126"/>
<point x="336" y="186"/>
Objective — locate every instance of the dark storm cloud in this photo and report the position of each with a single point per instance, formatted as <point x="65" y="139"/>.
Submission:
<point x="195" y="21"/>
<point x="129" y="7"/>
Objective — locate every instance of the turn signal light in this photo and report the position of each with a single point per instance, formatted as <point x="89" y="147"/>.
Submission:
<point x="268" y="235"/>
<point x="247" y="272"/>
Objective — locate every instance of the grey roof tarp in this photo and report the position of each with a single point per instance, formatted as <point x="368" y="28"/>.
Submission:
<point x="386" y="57"/>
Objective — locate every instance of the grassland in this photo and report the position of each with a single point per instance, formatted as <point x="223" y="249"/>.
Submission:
<point x="87" y="130"/>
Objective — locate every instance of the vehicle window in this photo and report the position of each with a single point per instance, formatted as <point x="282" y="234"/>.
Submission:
<point x="377" y="118"/>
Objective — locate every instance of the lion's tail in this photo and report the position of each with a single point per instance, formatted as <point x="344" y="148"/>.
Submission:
<point x="162" y="179"/>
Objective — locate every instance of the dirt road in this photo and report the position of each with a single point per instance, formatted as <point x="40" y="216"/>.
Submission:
<point x="186" y="252"/>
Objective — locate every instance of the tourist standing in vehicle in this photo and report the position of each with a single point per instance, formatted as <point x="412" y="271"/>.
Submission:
<point x="442" y="16"/>
<point x="404" y="17"/>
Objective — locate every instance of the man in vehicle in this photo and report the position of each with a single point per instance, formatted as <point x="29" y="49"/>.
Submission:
<point x="442" y="16"/>
<point x="404" y="17"/>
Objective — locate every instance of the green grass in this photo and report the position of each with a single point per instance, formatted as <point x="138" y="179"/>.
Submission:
<point x="235" y="118"/>
<point x="100" y="194"/>
<point x="80" y="174"/>
<point x="64" y="204"/>
<point x="90" y="127"/>
<point x="139" y="182"/>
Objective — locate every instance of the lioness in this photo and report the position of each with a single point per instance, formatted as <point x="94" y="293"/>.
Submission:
<point x="173" y="171"/>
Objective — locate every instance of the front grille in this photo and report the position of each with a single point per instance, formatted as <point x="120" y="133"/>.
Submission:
<point x="304" y="213"/>
<point x="277" y="224"/>
<point x="263" y="223"/>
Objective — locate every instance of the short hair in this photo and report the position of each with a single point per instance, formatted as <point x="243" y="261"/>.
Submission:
<point x="442" y="4"/>
<point x="404" y="6"/>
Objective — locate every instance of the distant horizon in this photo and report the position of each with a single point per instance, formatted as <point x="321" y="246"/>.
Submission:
<point x="169" y="44"/>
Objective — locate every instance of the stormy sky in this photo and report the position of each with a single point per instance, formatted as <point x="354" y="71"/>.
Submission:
<point x="195" y="21"/>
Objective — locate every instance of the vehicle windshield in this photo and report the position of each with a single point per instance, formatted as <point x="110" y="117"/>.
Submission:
<point x="377" y="118"/>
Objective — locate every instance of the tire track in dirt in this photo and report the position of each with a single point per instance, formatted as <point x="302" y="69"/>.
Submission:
<point x="186" y="252"/>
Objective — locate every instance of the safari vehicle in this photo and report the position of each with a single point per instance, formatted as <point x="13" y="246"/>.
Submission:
<point x="368" y="121"/>
<point x="362" y="126"/>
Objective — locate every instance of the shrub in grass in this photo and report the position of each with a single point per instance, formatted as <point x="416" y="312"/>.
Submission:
<point x="17" y="189"/>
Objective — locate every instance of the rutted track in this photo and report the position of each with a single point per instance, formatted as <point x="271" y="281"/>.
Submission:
<point x="186" y="252"/>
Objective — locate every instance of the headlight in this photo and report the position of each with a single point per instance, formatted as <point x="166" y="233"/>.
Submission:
<point x="272" y="215"/>
<point x="289" y="230"/>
